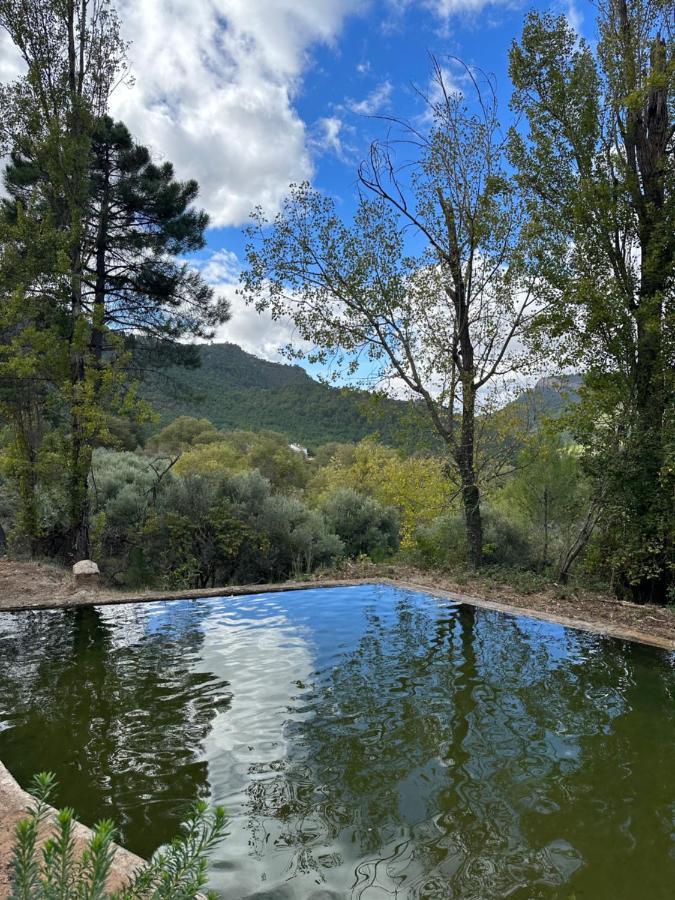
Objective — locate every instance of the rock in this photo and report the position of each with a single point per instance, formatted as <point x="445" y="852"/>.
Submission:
<point x="86" y="572"/>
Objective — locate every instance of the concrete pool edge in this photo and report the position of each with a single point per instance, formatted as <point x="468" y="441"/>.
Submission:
<point x="14" y="803"/>
<point x="604" y="629"/>
<point x="593" y="626"/>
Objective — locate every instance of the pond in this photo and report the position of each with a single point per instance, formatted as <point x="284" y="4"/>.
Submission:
<point x="368" y="742"/>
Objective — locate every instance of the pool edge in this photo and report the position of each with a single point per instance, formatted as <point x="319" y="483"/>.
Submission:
<point x="593" y="626"/>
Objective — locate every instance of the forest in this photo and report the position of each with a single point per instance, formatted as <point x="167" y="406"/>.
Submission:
<point x="496" y="240"/>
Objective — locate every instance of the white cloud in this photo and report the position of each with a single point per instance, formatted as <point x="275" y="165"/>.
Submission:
<point x="328" y="136"/>
<point x="215" y="83"/>
<point x="446" y="8"/>
<point x="221" y="268"/>
<point x="574" y="16"/>
<point x="11" y="64"/>
<point x="255" y="332"/>
<point x="375" y="102"/>
<point x="443" y="9"/>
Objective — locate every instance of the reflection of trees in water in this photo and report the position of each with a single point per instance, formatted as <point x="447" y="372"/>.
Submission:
<point x="455" y="751"/>
<point x="112" y="703"/>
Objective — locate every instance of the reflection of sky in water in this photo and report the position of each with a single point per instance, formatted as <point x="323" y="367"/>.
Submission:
<point x="370" y="742"/>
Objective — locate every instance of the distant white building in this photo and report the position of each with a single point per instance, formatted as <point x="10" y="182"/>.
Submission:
<point x="299" y="449"/>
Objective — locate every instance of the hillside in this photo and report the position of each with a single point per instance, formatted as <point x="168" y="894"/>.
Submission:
<point x="234" y="389"/>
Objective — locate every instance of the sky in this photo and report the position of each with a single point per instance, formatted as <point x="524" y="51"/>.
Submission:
<point x="248" y="96"/>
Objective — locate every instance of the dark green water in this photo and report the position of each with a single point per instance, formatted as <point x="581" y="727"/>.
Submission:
<point x="367" y="742"/>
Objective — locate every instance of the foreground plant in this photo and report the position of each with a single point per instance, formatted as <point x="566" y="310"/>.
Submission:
<point x="53" y="871"/>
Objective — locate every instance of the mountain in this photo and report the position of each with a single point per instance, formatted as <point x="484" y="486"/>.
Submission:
<point x="236" y="390"/>
<point x="550" y="396"/>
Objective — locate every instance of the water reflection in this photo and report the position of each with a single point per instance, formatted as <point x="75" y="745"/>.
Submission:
<point x="368" y="743"/>
<point x="118" y="709"/>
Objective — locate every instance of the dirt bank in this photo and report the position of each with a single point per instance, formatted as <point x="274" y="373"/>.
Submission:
<point x="30" y="585"/>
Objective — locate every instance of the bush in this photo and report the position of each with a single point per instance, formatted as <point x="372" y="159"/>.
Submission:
<point x="505" y="543"/>
<point x="182" y="433"/>
<point x="292" y="538"/>
<point x="362" y="524"/>
<point x="442" y="544"/>
<point x="235" y="531"/>
<point x="175" y="872"/>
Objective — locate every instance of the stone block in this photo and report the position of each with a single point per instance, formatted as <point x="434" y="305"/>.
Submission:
<point x="86" y="573"/>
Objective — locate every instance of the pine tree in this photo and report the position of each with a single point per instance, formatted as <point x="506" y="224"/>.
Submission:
<point x="122" y="221"/>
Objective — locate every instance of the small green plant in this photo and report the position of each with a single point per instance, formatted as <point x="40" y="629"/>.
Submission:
<point x="54" y="871"/>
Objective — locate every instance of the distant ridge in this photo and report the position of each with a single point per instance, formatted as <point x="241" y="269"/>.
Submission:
<point x="236" y="390"/>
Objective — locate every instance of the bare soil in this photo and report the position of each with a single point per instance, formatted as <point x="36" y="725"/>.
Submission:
<point x="30" y="585"/>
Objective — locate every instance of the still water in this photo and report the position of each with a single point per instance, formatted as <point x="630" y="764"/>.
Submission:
<point x="367" y="742"/>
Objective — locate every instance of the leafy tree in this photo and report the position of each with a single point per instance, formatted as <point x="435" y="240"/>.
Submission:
<point x="442" y="322"/>
<point x="417" y="487"/>
<point x="183" y="432"/>
<point x="596" y="161"/>
<point x="550" y="494"/>
<point x="74" y="54"/>
<point x="268" y="452"/>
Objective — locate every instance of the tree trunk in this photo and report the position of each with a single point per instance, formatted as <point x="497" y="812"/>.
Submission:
<point x="579" y="542"/>
<point x="466" y="463"/>
<point x="76" y="186"/>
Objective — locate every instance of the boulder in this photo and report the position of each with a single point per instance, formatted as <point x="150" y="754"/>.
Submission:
<point x="86" y="573"/>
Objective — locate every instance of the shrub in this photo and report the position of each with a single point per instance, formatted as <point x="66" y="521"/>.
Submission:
<point x="175" y="872"/>
<point x="505" y="543"/>
<point x="362" y="524"/>
<point x="235" y="531"/>
<point x="299" y="538"/>
<point x="442" y="544"/>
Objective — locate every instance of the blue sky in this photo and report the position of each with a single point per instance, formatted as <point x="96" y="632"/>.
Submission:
<point x="249" y="95"/>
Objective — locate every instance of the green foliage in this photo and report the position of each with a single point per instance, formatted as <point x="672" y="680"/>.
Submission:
<point x="182" y="433"/>
<point x="295" y="539"/>
<point x="92" y="240"/>
<point x="226" y="452"/>
<point x="234" y="530"/>
<point x="506" y="543"/>
<point x="362" y="524"/>
<point x="442" y="543"/>
<point x="236" y="390"/>
<point x="548" y="494"/>
<point x="417" y="487"/>
<point x="595" y="165"/>
<point x="51" y="869"/>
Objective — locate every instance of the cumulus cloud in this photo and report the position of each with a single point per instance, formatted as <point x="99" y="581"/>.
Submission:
<point x="254" y="332"/>
<point x="215" y="83"/>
